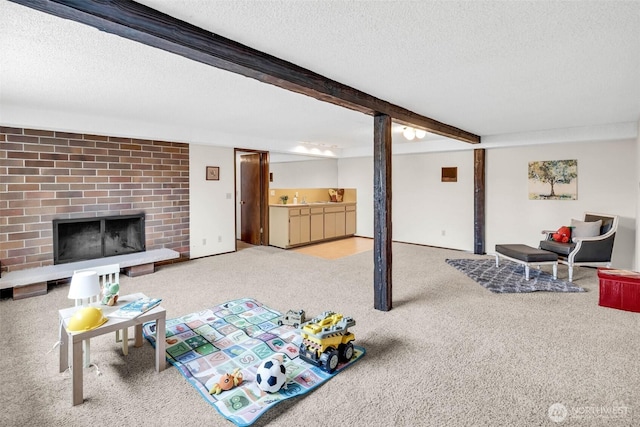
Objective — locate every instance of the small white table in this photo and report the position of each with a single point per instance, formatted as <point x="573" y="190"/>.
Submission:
<point x="71" y="342"/>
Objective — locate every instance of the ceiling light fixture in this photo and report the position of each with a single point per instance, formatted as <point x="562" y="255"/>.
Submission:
<point x="319" y="144"/>
<point x="317" y="148"/>
<point x="410" y="133"/>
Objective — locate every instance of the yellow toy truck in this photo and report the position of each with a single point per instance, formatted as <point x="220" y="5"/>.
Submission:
<point x="326" y="340"/>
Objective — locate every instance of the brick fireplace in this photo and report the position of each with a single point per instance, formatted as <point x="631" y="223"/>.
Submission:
<point x="49" y="175"/>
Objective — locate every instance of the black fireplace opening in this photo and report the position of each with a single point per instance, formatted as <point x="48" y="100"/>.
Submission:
<point x="98" y="237"/>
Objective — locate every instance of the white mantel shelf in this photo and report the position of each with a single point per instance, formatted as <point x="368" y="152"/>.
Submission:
<point x="61" y="271"/>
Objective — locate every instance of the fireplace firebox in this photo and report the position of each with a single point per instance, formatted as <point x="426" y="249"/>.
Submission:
<point x="97" y="237"/>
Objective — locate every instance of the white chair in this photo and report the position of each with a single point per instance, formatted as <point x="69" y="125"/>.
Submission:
<point x="106" y="274"/>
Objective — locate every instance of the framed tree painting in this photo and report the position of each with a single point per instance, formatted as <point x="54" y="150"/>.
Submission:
<point x="553" y="180"/>
<point x="213" y="173"/>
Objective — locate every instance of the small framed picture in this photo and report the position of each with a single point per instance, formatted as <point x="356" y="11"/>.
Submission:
<point x="450" y="174"/>
<point x="213" y="173"/>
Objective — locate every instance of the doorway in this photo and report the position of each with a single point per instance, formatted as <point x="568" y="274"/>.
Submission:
<point x="252" y="187"/>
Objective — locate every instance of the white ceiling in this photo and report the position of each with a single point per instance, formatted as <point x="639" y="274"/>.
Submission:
<point x="512" y="72"/>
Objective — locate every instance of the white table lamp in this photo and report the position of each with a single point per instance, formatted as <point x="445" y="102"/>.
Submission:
<point x="84" y="285"/>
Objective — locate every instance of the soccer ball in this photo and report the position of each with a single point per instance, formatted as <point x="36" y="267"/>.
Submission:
<point x="271" y="375"/>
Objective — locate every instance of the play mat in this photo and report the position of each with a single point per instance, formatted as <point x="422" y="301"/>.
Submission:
<point x="239" y="334"/>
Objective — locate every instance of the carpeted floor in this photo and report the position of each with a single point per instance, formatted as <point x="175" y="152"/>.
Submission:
<point x="448" y="354"/>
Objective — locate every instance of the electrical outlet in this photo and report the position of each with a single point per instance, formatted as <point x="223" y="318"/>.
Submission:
<point x="272" y="192"/>
<point x="444" y="233"/>
<point x="219" y="239"/>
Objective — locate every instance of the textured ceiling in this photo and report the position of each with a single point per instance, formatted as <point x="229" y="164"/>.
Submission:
<point x="502" y="70"/>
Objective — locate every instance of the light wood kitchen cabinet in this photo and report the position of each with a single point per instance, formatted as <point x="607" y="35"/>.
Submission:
<point x="297" y="225"/>
<point x="350" y="220"/>
<point x="334" y="221"/>
<point x="289" y="227"/>
<point x="317" y="224"/>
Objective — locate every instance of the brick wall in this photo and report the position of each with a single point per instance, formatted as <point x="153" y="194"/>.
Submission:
<point x="46" y="175"/>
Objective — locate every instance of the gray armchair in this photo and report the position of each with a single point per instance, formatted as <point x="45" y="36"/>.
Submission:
<point x="588" y="251"/>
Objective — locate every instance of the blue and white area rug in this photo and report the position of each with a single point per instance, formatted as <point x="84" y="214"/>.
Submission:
<point x="509" y="277"/>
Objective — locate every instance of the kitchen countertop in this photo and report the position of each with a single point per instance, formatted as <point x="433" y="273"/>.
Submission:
<point x="288" y="205"/>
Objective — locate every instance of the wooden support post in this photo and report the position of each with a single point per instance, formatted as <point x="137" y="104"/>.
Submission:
<point x="382" y="236"/>
<point x="478" y="201"/>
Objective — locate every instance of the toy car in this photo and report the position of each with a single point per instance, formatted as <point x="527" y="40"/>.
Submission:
<point x="326" y="340"/>
<point x="293" y="318"/>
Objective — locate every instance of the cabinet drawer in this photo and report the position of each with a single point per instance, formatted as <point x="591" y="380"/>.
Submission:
<point x="334" y="209"/>
<point x="351" y="208"/>
<point x="294" y="212"/>
<point x="304" y="211"/>
<point x="317" y="210"/>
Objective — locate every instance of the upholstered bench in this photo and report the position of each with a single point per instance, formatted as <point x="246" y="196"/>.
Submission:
<point x="526" y="255"/>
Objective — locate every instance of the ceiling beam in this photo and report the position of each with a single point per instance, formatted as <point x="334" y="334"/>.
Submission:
<point x="143" y="24"/>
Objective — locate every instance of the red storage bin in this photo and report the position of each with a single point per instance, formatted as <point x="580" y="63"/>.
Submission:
<point x="619" y="289"/>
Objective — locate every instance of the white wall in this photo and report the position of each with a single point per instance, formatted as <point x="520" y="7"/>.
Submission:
<point x="317" y="173"/>
<point x="427" y="210"/>
<point x="606" y="184"/>
<point x="424" y="210"/>
<point x="423" y="206"/>
<point x="212" y="213"/>
<point x="357" y="172"/>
